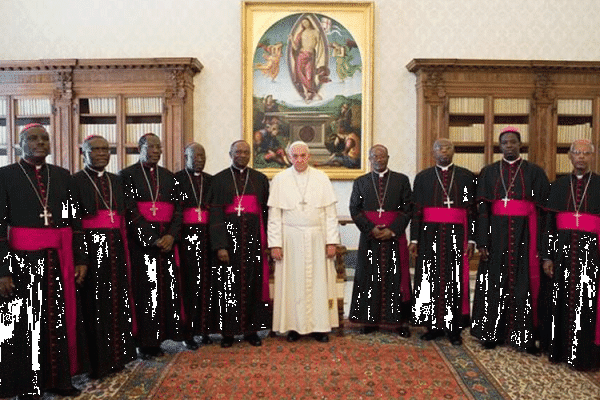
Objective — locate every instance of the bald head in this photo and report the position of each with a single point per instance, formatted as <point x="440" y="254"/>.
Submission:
<point x="195" y="157"/>
<point x="443" y="152"/>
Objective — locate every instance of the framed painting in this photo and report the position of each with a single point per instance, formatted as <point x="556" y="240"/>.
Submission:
<point x="308" y="75"/>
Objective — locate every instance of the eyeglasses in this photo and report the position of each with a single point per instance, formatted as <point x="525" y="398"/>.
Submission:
<point x="578" y="153"/>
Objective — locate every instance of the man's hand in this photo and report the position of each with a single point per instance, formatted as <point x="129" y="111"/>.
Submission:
<point x="548" y="268"/>
<point x="470" y="250"/>
<point x="6" y="286"/>
<point x="380" y="232"/>
<point x="223" y="255"/>
<point x="165" y="243"/>
<point x="277" y="253"/>
<point x="330" y="250"/>
<point x="413" y="250"/>
<point x="80" y="273"/>
<point x="484" y="253"/>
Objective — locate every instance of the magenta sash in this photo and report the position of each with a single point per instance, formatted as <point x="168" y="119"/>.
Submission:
<point x="456" y="216"/>
<point x="586" y="223"/>
<point x="525" y="208"/>
<point x="101" y="220"/>
<point x="250" y="205"/>
<point x="190" y="216"/>
<point x="386" y="218"/>
<point x="163" y="213"/>
<point x="61" y="239"/>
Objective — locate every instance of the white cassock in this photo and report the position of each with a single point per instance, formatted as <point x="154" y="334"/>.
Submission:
<point x="305" y="298"/>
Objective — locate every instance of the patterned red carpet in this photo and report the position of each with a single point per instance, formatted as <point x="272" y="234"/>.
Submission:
<point x="380" y="365"/>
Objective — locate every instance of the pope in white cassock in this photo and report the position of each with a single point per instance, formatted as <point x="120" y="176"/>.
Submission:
<point x="303" y="236"/>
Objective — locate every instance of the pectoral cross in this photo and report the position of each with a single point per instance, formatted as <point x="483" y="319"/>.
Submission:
<point x="505" y="200"/>
<point x="380" y="210"/>
<point x="448" y="202"/>
<point x="239" y="209"/>
<point x="46" y="215"/>
<point x="111" y="213"/>
<point x="154" y="209"/>
<point x="199" y="211"/>
<point x="577" y="218"/>
<point x="303" y="203"/>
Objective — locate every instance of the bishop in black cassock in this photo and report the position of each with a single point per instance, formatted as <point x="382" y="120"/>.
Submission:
<point x="510" y="194"/>
<point x="442" y="234"/>
<point x="40" y="346"/>
<point x="380" y="205"/>
<point x="238" y="217"/>
<point x="105" y="295"/>
<point x="572" y="259"/>
<point x="199" y="302"/>
<point x="153" y="213"/>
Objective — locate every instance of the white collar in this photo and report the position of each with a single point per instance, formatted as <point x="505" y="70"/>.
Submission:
<point x="446" y="168"/>
<point x="241" y="171"/>
<point x="382" y="174"/>
<point x="197" y="173"/>
<point x="99" y="173"/>
<point x="511" y="162"/>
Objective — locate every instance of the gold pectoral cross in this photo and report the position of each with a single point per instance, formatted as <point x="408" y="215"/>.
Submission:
<point x="46" y="215"/>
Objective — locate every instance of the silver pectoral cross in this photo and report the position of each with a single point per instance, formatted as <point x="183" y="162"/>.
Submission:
<point x="303" y="203"/>
<point x="448" y="202"/>
<point x="154" y="209"/>
<point x="199" y="212"/>
<point x="111" y="213"/>
<point x="46" y="215"/>
<point x="505" y="200"/>
<point x="239" y="209"/>
<point x="380" y="210"/>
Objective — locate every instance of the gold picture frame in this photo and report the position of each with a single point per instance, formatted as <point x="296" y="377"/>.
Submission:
<point x="307" y="72"/>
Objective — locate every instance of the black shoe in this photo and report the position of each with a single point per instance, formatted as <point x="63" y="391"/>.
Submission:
<point x="489" y="345"/>
<point x="70" y="392"/>
<point x="191" y="344"/>
<point x="534" y="351"/>
<point x="321" y="337"/>
<point x="432" y="334"/>
<point x="227" y="342"/>
<point x="404" y="331"/>
<point x="365" y="330"/>
<point x="206" y="340"/>
<point x="293" y="336"/>
<point x="456" y="340"/>
<point x="146" y="353"/>
<point x="253" y="339"/>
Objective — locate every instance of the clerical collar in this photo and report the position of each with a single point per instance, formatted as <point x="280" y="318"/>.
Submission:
<point x="300" y="172"/>
<point x="149" y="166"/>
<point x="511" y="162"/>
<point x="191" y="171"/>
<point x="446" y="168"/>
<point x="580" y="176"/>
<point x="99" y="173"/>
<point x="240" y="170"/>
<point x="381" y="174"/>
<point x="36" y="166"/>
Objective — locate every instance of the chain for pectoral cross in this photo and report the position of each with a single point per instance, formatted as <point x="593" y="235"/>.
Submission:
<point x="576" y="206"/>
<point x="111" y="213"/>
<point x="380" y="201"/>
<point x="447" y="202"/>
<point x="239" y="207"/>
<point x="197" y="198"/>
<point x="303" y="202"/>
<point x="512" y="182"/>
<point x="153" y="198"/>
<point x="43" y="202"/>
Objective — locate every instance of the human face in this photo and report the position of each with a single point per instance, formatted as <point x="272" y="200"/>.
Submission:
<point x="581" y="157"/>
<point x="510" y="146"/>
<point x="97" y="154"/>
<point x="443" y="151"/>
<point x="36" y="145"/>
<point x="299" y="156"/>
<point x="151" y="151"/>
<point x="379" y="158"/>
<point x="195" y="158"/>
<point x="240" y="154"/>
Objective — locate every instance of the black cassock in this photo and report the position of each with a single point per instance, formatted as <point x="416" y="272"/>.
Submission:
<point x="241" y="303"/>
<point x="441" y="277"/>
<point x="34" y="350"/>
<point x="381" y="293"/>
<point x="575" y="254"/>
<point x="105" y="293"/>
<point x="504" y="307"/>
<point x="156" y="282"/>
<point x="195" y="253"/>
